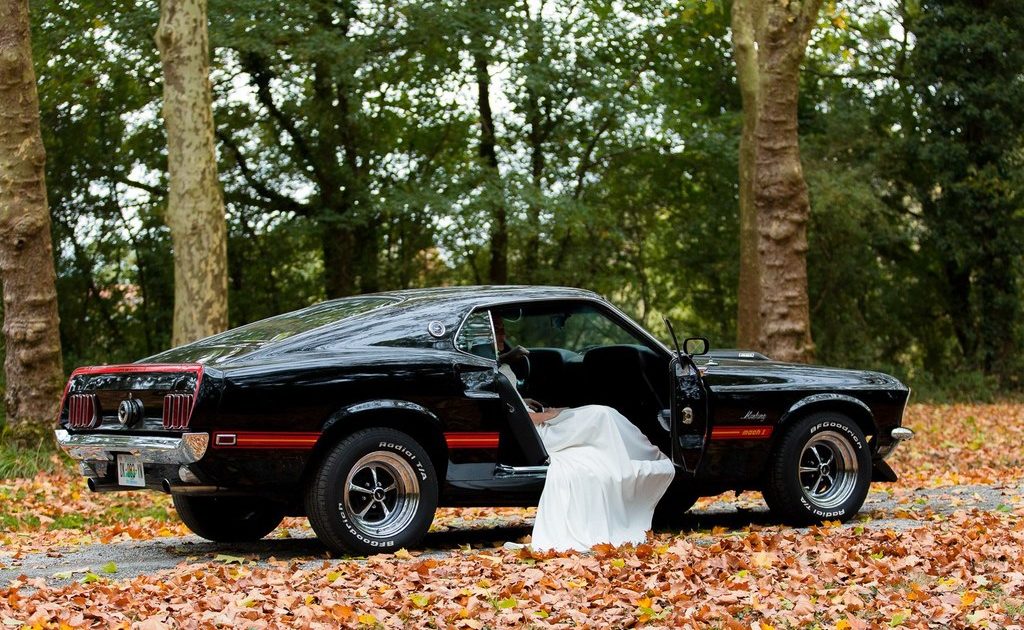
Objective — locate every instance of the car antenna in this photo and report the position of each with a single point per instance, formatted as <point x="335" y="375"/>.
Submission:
<point x="672" y="332"/>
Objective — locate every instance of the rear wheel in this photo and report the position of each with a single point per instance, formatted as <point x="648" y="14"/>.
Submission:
<point x="820" y="471"/>
<point x="228" y="519"/>
<point x="375" y="491"/>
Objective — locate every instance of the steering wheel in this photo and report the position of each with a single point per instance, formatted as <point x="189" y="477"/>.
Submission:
<point x="518" y="359"/>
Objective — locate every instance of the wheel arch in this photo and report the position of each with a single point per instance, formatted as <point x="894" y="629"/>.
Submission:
<point x="413" y="419"/>
<point x="854" y="408"/>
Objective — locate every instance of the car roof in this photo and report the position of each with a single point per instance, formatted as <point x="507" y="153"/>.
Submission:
<point x="476" y="294"/>
<point x="400" y="318"/>
<point x="403" y="321"/>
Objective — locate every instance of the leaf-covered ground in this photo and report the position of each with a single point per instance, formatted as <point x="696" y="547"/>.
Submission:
<point x="927" y="554"/>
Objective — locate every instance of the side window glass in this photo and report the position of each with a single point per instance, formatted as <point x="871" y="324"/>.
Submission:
<point x="572" y="327"/>
<point x="477" y="336"/>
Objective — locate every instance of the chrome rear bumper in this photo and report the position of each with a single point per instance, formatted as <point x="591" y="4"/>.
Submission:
<point x="187" y="449"/>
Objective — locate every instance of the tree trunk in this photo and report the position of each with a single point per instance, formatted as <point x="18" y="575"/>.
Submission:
<point x="534" y="43"/>
<point x="195" y="208"/>
<point x="489" y="155"/>
<point x="531" y="255"/>
<point x="368" y="255"/>
<point x="31" y="325"/>
<point x="339" y="246"/>
<point x="748" y="321"/>
<point x="774" y="180"/>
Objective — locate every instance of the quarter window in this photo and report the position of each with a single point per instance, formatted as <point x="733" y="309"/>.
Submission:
<point x="477" y="336"/>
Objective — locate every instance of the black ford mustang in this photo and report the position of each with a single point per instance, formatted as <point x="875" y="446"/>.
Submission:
<point x="366" y="413"/>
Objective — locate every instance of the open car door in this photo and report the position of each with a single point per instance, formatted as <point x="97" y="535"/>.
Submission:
<point x="520" y="425"/>
<point x="690" y="417"/>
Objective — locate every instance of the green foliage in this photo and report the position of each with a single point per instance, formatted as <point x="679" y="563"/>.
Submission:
<point x="914" y="255"/>
<point x="966" y="385"/>
<point x="353" y="121"/>
<point x="962" y="159"/>
<point x="349" y="146"/>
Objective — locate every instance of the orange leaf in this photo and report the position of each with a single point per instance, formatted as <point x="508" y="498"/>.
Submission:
<point x="342" y="613"/>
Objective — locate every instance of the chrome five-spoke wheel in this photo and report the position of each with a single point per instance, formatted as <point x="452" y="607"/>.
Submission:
<point x="375" y="490"/>
<point x="828" y="470"/>
<point x="382" y="493"/>
<point x="820" y="470"/>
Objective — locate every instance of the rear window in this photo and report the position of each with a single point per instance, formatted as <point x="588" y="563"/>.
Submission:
<point x="251" y="337"/>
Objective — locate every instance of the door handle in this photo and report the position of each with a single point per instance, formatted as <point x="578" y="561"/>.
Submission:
<point x="481" y="395"/>
<point x="687" y="415"/>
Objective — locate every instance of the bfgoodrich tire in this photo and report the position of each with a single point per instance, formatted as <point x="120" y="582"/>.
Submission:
<point x="820" y="471"/>
<point x="375" y="491"/>
<point x="228" y="519"/>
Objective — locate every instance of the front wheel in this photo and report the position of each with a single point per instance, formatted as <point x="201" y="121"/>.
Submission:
<point x="228" y="519"/>
<point x="820" y="471"/>
<point x="375" y="491"/>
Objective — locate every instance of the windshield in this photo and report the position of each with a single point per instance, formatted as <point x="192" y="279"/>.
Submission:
<point x="251" y="337"/>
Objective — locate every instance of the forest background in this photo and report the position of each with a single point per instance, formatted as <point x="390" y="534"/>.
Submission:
<point x="353" y="159"/>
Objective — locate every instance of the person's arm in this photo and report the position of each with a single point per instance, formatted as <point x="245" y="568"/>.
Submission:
<point x="538" y="413"/>
<point x="540" y="417"/>
<point x="533" y="405"/>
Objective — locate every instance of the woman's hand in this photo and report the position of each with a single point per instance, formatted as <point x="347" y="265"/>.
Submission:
<point x="533" y="405"/>
<point x="540" y="417"/>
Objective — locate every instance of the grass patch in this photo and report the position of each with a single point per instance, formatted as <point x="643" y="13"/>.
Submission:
<point x="12" y="523"/>
<point x="27" y="451"/>
<point x="68" y="521"/>
<point x="121" y="513"/>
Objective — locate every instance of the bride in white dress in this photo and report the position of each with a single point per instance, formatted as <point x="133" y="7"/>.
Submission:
<point x="603" y="482"/>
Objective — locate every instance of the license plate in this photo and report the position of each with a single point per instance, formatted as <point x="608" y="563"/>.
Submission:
<point x="130" y="471"/>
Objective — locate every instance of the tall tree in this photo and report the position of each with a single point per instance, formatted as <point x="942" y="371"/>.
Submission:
<point x="31" y="327"/>
<point x="195" y="208"/>
<point x="489" y="157"/>
<point x="769" y="41"/>
<point x="484" y="22"/>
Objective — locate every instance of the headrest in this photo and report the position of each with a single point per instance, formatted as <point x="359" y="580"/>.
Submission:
<point x="614" y="358"/>
<point x="548" y="360"/>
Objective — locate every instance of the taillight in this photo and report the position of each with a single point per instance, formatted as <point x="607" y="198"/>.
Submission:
<point x="177" y="410"/>
<point x="83" y="411"/>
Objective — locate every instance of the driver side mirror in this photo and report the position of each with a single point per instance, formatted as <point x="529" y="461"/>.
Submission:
<point x="694" y="346"/>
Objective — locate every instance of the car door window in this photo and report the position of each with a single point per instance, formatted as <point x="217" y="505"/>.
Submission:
<point x="573" y="327"/>
<point x="477" y="336"/>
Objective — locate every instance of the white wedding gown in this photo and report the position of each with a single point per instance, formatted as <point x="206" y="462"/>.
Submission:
<point x="603" y="482"/>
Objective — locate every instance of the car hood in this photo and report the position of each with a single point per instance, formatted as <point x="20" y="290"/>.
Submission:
<point x="754" y="371"/>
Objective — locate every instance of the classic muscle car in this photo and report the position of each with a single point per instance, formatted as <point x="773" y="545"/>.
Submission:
<point x="366" y="413"/>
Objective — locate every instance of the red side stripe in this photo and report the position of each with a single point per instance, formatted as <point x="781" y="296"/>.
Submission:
<point x="741" y="433"/>
<point x="303" y="440"/>
<point x="472" y="439"/>
<point x="260" y="440"/>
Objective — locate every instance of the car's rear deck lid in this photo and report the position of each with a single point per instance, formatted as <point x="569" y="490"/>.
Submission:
<point x="156" y="397"/>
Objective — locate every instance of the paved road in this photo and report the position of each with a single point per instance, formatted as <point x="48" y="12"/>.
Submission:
<point x="134" y="558"/>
